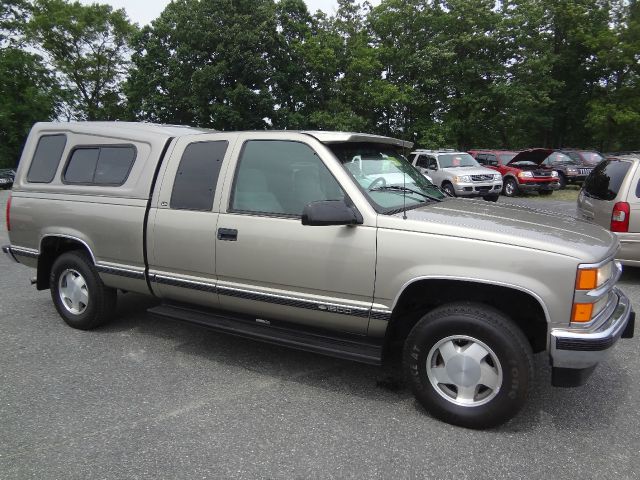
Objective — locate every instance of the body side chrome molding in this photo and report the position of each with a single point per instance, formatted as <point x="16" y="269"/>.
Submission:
<point x="122" y="272"/>
<point x="285" y="300"/>
<point x="23" y="251"/>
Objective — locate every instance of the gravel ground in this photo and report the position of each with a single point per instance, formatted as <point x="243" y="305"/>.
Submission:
<point x="145" y="398"/>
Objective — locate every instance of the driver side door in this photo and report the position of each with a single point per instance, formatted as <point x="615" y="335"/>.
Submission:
<point x="272" y="267"/>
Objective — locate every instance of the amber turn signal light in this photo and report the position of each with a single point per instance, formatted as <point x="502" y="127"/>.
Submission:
<point x="587" y="279"/>
<point x="582" y="312"/>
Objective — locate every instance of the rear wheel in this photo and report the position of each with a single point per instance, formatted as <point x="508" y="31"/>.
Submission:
<point x="510" y="188"/>
<point x="468" y="365"/>
<point x="79" y="295"/>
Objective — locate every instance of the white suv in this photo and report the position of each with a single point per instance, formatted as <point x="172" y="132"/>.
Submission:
<point x="458" y="173"/>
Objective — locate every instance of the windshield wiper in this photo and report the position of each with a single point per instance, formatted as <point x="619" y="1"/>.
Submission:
<point x="398" y="188"/>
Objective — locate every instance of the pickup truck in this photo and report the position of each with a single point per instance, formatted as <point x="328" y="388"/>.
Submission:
<point x="329" y="242"/>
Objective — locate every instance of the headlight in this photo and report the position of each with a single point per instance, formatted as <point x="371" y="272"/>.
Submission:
<point x="572" y="171"/>
<point x="525" y="175"/>
<point x="497" y="177"/>
<point x="554" y="174"/>
<point x="462" y="179"/>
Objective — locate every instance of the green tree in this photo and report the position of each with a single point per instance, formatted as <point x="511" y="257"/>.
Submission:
<point x="87" y="47"/>
<point x="614" y="110"/>
<point x="207" y="63"/>
<point x="29" y="94"/>
<point x="28" y="91"/>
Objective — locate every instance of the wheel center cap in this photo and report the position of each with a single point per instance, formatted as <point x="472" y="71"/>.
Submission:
<point x="463" y="370"/>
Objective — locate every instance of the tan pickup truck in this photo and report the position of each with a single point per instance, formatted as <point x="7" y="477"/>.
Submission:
<point x="323" y="241"/>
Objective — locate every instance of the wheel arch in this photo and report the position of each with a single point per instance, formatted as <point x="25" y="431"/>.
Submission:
<point x="522" y="305"/>
<point x="51" y="247"/>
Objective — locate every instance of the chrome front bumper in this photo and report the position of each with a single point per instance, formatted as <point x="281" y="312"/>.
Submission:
<point x="575" y="352"/>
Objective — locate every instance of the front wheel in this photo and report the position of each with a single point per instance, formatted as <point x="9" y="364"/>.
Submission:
<point x="79" y="295"/>
<point x="448" y="189"/>
<point x="468" y="365"/>
<point x="510" y="188"/>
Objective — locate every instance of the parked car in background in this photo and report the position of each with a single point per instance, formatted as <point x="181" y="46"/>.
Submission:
<point x="610" y="197"/>
<point x="458" y="174"/>
<point x="569" y="170"/>
<point x="6" y="178"/>
<point x="589" y="158"/>
<point x="521" y="171"/>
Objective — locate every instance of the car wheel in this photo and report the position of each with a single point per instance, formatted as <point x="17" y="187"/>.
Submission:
<point x="468" y="365"/>
<point x="545" y="193"/>
<point x="79" y="295"/>
<point x="448" y="189"/>
<point x="491" y="198"/>
<point x="562" y="180"/>
<point x="510" y="188"/>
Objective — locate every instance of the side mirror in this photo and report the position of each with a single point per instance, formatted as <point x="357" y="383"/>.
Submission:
<point x="330" y="212"/>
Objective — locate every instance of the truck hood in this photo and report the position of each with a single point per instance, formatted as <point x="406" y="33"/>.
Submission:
<point x="469" y="171"/>
<point x="509" y="224"/>
<point x="535" y="155"/>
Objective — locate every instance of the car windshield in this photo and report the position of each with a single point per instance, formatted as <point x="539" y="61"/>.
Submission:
<point x="506" y="157"/>
<point x="385" y="175"/>
<point x="557" y="157"/>
<point x="591" y="157"/>
<point x="524" y="163"/>
<point x="448" y="160"/>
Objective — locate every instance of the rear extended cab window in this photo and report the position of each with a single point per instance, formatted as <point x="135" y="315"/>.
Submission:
<point x="606" y="178"/>
<point x="195" y="184"/>
<point x="46" y="158"/>
<point x="106" y="165"/>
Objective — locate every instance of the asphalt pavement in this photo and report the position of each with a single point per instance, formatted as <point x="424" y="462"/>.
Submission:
<point x="148" y="398"/>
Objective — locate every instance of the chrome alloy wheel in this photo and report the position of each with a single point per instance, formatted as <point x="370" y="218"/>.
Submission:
<point x="509" y="188"/>
<point x="73" y="291"/>
<point x="464" y="371"/>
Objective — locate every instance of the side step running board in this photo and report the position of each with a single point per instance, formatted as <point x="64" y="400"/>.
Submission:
<point x="298" y="338"/>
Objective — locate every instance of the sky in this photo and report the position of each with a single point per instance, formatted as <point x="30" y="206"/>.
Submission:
<point x="143" y="11"/>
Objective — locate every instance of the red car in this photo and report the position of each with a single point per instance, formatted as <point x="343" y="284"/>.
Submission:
<point x="521" y="171"/>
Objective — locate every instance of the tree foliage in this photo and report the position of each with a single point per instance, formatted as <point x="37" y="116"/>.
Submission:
<point x="459" y="73"/>
<point x="87" y="47"/>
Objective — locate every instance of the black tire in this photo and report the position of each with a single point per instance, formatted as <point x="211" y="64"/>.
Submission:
<point x="562" y="180"/>
<point x="448" y="189"/>
<point x="491" y="198"/>
<point x="510" y="188"/>
<point x="100" y="302"/>
<point x="485" y="325"/>
<point x="545" y="193"/>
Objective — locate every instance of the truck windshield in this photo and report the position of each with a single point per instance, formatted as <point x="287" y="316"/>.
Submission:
<point x="449" y="160"/>
<point x="385" y="175"/>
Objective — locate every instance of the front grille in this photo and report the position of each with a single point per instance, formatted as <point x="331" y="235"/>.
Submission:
<point x="542" y="173"/>
<point x="481" y="178"/>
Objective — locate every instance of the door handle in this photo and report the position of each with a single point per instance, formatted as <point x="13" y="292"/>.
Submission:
<point x="228" y="234"/>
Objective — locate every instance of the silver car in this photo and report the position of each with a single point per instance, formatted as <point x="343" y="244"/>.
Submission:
<point x="610" y="197"/>
<point x="458" y="173"/>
